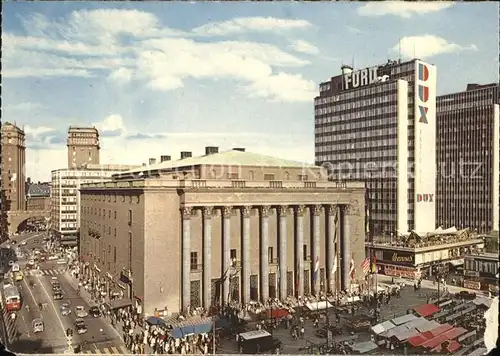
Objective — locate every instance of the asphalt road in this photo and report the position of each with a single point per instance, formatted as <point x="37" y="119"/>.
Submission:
<point x="36" y="288"/>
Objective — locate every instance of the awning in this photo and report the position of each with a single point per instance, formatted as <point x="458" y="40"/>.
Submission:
<point x="153" y="320"/>
<point x="440" y="329"/>
<point x="319" y="306"/>
<point x="364" y="347"/>
<point x="406" y="334"/>
<point x="456" y="263"/>
<point x="276" y="313"/>
<point x="426" y="309"/>
<point x="417" y="340"/>
<point x="119" y="303"/>
<point x="192" y="327"/>
<point x="452" y="347"/>
<point x="431" y="324"/>
<point x="403" y="319"/>
<point x="382" y="327"/>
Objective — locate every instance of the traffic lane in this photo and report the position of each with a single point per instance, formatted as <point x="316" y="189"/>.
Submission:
<point x="55" y="324"/>
<point x="99" y="331"/>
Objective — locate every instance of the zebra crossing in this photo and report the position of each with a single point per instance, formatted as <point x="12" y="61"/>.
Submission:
<point x="46" y="272"/>
<point x="112" y="350"/>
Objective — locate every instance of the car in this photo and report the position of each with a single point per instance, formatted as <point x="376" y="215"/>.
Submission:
<point x="52" y="258"/>
<point x="31" y="262"/>
<point x="95" y="312"/>
<point x="38" y="325"/>
<point x="58" y="295"/>
<point x="80" y="312"/>
<point x="65" y="309"/>
<point x="56" y="289"/>
<point x="11" y="263"/>
<point x="24" y="243"/>
<point x="13" y="242"/>
<point x="80" y="326"/>
<point x="8" y="247"/>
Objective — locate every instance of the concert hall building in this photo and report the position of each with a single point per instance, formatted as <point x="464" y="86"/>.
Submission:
<point x="378" y="125"/>
<point x="166" y="233"/>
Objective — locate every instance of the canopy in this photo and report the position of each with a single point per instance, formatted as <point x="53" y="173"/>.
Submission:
<point x="364" y="347"/>
<point x="190" y="327"/>
<point x="426" y="309"/>
<point x="416" y="323"/>
<point x="153" y="320"/>
<point x="276" y="313"/>
<point x="380" y="328"/>
<point x="458" y="262"/>
<point x="119" y="303"/>
<point x="319" y="306"/>
<point x="448" y="335"/>
<point x="406" y="334"/>
<point x="482" y="301"/>
<point x="431" y="324"/>
<point x="403" y="319"/>
<point x="440" y="329"/>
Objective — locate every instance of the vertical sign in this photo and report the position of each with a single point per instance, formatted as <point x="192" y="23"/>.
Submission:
<point x="425" y="147"/>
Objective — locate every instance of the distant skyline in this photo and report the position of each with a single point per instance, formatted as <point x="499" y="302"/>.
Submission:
<point x="160" y="78"/>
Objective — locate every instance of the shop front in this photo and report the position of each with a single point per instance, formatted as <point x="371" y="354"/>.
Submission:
<point x="398" y="264"/>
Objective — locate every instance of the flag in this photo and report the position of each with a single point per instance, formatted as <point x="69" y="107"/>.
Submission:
<point x="367" y="230"/>
<point x="334" y="242"/>
<point x="316" y="269"/>
<point x="373" y="265"/>
<point x="334" y="266"/>
<point x="277" y="276"/>
<point x="365" y="265"/>
<point x="352" y="269"/>
<point x="297" y="277"/>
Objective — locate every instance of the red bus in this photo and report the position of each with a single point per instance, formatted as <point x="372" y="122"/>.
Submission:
<point x="11" y="298"/>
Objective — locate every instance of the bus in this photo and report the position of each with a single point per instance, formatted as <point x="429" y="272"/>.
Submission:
<point x="11" y="298"/>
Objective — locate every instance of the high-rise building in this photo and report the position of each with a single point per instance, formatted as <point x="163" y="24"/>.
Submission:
<point x="13" y="167"/>
<point x="468" y="157"/>
<point x="378" y="125"/>
<point x="65" y="197"/>
<point x="83" y="146"/>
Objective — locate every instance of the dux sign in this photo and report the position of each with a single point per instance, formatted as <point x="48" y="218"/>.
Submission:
<point x="426" y="198"/>
<point x="360" y="78"/>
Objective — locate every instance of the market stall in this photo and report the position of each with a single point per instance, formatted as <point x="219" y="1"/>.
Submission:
<point x="426" y="309"/>
<point x="382" y="327"/>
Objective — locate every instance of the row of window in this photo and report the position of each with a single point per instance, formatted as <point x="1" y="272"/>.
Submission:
<point x="376" y="138"/>
<point x="357" y="110"/>
<point x="111" y="198"/>
<point x="370" y="90"/>
<point x="481" y="266"/>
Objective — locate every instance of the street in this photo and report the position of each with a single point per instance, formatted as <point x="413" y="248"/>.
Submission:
<point x="36" y="290"/>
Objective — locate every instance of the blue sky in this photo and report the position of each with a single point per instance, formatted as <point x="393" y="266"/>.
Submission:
<point x="160" y="78"/>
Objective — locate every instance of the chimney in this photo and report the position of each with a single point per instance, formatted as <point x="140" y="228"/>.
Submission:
<point x="29" y="180"/>
<point x="152" y="161"/>
<point x="186" y="154"/>
<point x="164" y="158"/>
<point x="144" y="164"/>
<point x="211" y="150"/>
<point x="241" y="149"/>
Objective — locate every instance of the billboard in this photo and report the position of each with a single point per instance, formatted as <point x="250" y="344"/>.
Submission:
<point x="425" y="147"/>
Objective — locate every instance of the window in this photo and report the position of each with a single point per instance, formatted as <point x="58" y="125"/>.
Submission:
<point x="130" y="257"/>
<point x="304" y="251"/>
<point x="114" y="254"/>
<point x="270" y="254"/>
<point x="268" y="176"/>
<point x="252" y="175"/>
<point x="130" y="216"/>
<point x="232" y="176"/>
<point x="233" y="253"/>
<point x="114" y="214"/>
<point x="194" y="261"/>
<point x="302" y="177"/>
<point x="115" y="232"/>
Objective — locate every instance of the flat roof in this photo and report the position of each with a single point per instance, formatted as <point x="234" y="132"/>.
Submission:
<point x="254" y="334"/>
<point x="226" y="158"/>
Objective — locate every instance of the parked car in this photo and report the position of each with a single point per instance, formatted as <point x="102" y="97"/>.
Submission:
<point x="24" y="243"/>
<point x="80" y="312"/>
<point x="80" y="326"/>
<point x="58" y="296"/>
<point x="95" y="312"/>
<point x="65" y="309"/>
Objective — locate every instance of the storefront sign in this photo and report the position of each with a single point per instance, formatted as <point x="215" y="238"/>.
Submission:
<point x="471" y="273"/>
<point x="472" y="284"/>
<point x="398" y="257"/>
<point x="401" y="272"/>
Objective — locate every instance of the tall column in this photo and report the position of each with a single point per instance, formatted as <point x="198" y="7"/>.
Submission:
<point x="346" y="248"/>
<point x="245" y="212"/>
<point x="283" y="258"/>
<point x="226" y="252"/>
<point x="186" y="257"/>
<point x="316" y="210"/>
<point x="264" y="262"/>
<point x="299" y="251"/>
<point x="333" y="262"/>
<point x="207" y="256"/>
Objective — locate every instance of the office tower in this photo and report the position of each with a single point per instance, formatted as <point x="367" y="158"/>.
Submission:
<point x="468" y="158"/>
<point x="378" y="125"/>
<point x="83" y="146"/>
<point x="13" y="167"/>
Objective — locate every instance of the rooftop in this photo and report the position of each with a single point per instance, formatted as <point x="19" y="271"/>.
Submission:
<point x="227" y="158"/>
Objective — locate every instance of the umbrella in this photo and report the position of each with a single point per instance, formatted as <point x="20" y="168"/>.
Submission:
<point x="153" y="320"/>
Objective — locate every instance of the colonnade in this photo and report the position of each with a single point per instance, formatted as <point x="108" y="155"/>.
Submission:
<point x="335" y="243"/>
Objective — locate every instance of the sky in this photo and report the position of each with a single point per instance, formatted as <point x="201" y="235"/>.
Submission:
<point x="160" y="78"/>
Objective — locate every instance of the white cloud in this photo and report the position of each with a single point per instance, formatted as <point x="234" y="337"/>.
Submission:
<point x="302" y="46"/>
<point x="294" y="88"/>
<point x="244" y="24"/>
<point x="426" y="46"/>
<point x="112" y="125"/>
<point x="404" y="9"/>
<point x="155" y="55"/>
<point x="37" y="131"/>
